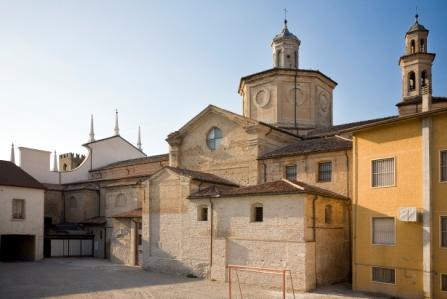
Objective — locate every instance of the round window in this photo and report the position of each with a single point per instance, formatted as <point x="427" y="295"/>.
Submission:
<point x="214" y="138"/>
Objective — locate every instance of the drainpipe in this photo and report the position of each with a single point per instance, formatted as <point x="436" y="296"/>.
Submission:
<point x="211" y="234"/>
<point x="314" y="236"/>
<point x="427" y="197"/>
<point x="349" y="207"/>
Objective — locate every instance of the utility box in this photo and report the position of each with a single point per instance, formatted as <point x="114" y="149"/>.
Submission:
<point x="408" y="214"/>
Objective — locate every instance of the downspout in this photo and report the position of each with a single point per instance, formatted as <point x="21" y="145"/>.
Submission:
<point x="211" y="234"/>
<point x="349" y="206"/>
<point x="354" y="220"/>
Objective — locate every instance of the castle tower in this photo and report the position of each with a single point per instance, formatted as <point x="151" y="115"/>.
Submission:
<point x="285" y="47"/>
<point x="416" y="64"/>
<point x="286" y="96"/>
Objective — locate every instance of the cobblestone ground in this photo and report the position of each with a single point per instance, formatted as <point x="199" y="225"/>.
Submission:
<point x="93" y="278"/>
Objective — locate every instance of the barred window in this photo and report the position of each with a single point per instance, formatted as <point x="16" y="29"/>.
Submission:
<point x="383" y="230"/>
<point x="324" y="171"/>
<point x="383" y="172"/>
<point x="257" y="213"/>
<point x="443" y="166"/>
<point x="202" y="213"/>
<point x="18" y="209"/>
<point x="384" y="275"/>
<point x="443" y="231"/>
<point x="214" y="138"/>
<point x="291" y="172"/>
<point x="444" y="282"/>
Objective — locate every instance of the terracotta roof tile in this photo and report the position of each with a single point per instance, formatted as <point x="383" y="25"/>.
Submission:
<point x="308" y="146"/>
<point x="12" y="175"/>
<point x="271" y="188"/>
<point x="201" y="176"/>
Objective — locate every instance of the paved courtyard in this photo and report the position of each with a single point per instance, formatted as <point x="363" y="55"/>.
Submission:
<point x="93" y="278"/>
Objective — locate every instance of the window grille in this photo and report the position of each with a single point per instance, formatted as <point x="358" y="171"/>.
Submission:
<point x="443" y="231"/>
<point x="291" y="172"/>
<point x="325" y="171"/>
<point x="383" y="230"/>
<point x="443" y="166"/>
<point x="384" y="275"/>
<point x="383" y="172"/>
<point x="18" y="209"/>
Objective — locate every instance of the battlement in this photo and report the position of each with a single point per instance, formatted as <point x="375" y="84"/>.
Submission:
<point x="69" y="161"/>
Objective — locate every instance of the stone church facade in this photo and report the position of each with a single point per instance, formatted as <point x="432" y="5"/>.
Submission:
<point x="270" y="187"/>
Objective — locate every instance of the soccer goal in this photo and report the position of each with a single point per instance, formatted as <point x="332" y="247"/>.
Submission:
<point x="235" y="269"/>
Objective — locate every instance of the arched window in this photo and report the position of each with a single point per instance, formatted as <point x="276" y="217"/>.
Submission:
<point x="202" y="213"/>
<point x="120" y="200"/>
<point x="65" y="166"/>
<point x="411" y="81"/>
<point x="278" y="58"/>
<point x="422" y="46"/>
<point x="412" y="47"/>
<point x="257" y="212"/>
<point x="72" y="202"/>
<point x="214" y="138"/>
<point x="328" y="214"/>
<point x="423" y="78"/>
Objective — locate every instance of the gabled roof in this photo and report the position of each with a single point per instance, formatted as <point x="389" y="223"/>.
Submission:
<point x="112" y="137"/>
<point x="272" y="188"/>
<point x="245" y="121"/>
<point x="12" y="175"/>
<point x="137" y="161"/>
<point x="310" y="146"/>
<point x="337" y="129"/>
<point x="201" y="176"/>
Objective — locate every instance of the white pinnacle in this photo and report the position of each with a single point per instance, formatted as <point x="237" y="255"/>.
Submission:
<point x="55" y="161"/>
<point x="117" y="129"/>
<point x="92" y="131"/>
<point x="13" y="158"/>
<point x="139" y="139"/>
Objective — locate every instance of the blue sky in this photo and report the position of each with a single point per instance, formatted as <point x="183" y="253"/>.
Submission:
<point x="161" y="62"/>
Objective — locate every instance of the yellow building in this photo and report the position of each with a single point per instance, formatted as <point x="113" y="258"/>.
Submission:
<point x="400" y="189"/>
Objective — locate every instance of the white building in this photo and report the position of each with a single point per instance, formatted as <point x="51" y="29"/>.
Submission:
<point x="21" y="214"/>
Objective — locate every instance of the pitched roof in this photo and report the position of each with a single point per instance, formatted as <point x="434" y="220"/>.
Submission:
<point x="137" y="161"/>
<point x="12" y="175"/>
<point x="308" y="146"/>
<point x="271" y="188"/>
<point x="330" y="131"/>
<point x="418" y="100"/>
<point x="129" y="214"/>
<point x="201" y="176"/>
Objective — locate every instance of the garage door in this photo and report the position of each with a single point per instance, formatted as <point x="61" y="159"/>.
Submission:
<point x="17" y="247"/>
<point x="71" y="247"/>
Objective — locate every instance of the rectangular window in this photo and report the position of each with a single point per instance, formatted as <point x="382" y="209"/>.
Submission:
<point x="383" y="172"/>
<point x="444" y="282"/>
<point x="443" y="166"/>
<point x="202" y="213"/>
<point x="383" y="230"/>
<point x="18" y="209"/>
<point x="291" y="172"/>
<point x="444" y="231"/>
<point x="384" y="275"/>
<point x="258" y="214"/>
<point x="324" y="171"/>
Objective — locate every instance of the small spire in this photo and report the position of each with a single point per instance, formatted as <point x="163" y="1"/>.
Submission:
<point x="13" y="157"/>
<point x="55" y="168"/>
<point x="92" y="131"/>
<point x="139" y="139"/>
<point x="117" y="129"/>
<point x="285" y="18"/>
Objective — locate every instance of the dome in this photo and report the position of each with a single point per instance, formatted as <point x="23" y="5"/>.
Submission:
<point x="416" y="26"/>
<point x="285" y="34"/>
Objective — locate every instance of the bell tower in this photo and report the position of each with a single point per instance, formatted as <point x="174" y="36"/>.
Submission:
<point x="416" y="63"/>
<point x="285" y="48"/>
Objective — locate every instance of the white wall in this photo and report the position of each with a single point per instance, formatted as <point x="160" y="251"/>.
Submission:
<point x="101" y="153"/>
<point x="34" y="214"/>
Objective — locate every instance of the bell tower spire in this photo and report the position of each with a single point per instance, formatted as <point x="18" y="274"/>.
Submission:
<point x="92" y="131"/>
<point x="416" y="63"/>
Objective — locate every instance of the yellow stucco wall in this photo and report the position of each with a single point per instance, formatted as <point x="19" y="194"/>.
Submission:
<point x="402" y="141"/>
